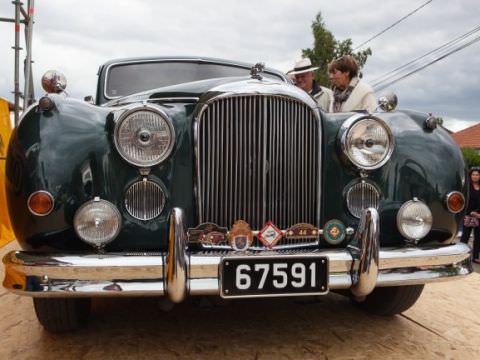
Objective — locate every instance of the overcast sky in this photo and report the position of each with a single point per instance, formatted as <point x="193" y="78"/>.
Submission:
<point x="76" y="36"/>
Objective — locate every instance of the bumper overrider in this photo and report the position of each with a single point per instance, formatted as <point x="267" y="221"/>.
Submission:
<point x="178" y="273"/>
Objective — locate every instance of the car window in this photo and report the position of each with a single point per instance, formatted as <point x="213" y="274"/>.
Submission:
<point x="127" y="79"/>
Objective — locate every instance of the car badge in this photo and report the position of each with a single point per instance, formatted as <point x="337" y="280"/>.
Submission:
<point x="270" y="235"/>
<point x="256" y="70"/>
<point x="240" y="236"/>
<point x="302" y="231"/>
<point x="208" y="234"/>
<point x="334" y="232"/>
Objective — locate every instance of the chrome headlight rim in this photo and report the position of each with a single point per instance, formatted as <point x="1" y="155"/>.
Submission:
<point x="89" y="203"/>
<point x="144" y="107"/>
<point x="348" y="125"/>
<point x="400" y="218"/>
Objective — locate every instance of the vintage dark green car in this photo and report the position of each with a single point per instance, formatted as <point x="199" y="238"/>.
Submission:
<point x="195" y="176"/>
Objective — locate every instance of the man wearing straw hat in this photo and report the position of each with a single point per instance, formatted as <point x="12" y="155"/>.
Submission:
<point x="305" y="79"/>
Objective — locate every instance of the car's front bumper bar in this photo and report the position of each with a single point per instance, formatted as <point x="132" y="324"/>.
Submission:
<point x="179" y="272"/>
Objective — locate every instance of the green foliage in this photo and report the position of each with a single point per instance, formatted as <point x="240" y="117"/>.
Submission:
<point x="471" y="157"/>
<point x="326" y="48"/>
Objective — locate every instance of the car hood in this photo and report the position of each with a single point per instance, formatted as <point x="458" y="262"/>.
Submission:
<point x="203" y="90"/>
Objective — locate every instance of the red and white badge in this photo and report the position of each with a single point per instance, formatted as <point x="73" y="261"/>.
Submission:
<point x="270" y="235"/>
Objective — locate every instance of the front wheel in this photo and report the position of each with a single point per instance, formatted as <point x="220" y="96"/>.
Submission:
<point x="388" y="301"/>
<point x="62" y="314"/>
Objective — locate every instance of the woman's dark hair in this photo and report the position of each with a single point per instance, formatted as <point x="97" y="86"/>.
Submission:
<point x="472" y="169"/>
<point x="345" y="63"/>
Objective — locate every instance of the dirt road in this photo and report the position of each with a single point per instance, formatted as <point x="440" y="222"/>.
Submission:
<point x="444" y="324"/>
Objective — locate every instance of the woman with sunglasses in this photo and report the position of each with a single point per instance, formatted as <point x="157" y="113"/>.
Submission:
<point x="472" y="213"/>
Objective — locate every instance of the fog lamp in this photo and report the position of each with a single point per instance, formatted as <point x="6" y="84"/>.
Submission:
<point x="414" y="219"/>
<point x="97" y="222"/>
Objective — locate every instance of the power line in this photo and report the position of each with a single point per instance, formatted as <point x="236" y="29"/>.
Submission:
<point x="392" y="73"/>
<point x="471" y="42"/>
<point x="394" y="24"/>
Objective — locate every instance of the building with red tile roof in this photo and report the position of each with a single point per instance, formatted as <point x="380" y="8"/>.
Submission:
<point x="469" y="137"/>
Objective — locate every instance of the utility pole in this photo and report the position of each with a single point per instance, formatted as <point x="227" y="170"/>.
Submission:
<point x="27" y="21"/>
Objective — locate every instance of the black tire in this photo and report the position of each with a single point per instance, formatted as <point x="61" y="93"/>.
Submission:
<point x="388" y="301"/>
<point x="62" y="314"/>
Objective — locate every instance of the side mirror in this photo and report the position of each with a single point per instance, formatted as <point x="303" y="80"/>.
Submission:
<point x="388" y="101"/>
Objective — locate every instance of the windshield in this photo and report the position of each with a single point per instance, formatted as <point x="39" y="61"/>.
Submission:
<point x="127" y="79"/>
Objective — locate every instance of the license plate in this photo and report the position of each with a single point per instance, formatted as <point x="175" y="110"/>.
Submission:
<point x="274" y="276"/>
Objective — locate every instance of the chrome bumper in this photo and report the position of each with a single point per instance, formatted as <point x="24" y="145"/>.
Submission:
<point x="360" y="267"/>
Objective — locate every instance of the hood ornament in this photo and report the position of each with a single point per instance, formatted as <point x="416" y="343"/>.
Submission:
<point x="256" y="70"/>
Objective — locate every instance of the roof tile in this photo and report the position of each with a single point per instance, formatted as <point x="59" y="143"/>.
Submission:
<point x="469" y="137"/>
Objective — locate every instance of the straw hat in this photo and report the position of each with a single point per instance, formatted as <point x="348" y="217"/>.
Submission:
<point x="302" y="66"/>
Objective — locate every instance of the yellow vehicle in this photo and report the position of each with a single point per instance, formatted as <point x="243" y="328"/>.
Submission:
<point x="6" y="233"/>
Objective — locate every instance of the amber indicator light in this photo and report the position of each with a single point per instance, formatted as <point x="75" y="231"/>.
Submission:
<point x="455" y="202"/>
<point x="40" y="203"/>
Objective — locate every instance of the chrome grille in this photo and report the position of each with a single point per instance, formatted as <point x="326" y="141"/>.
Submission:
<point x="258" y="160"/>
<point x="360" y="196"/>
<point x="144" y="200"/>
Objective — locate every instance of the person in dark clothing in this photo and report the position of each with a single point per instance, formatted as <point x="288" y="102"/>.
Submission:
<point x="473" y="208"/>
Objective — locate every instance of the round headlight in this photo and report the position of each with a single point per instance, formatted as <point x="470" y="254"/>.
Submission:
<point x="367" y="142"/>
<point x="97" y="222"/>
<point x="144" y="136"/>
<point x="414" y="219"/>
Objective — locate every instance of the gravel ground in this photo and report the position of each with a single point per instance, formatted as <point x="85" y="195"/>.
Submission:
<point x="443" y="324"/>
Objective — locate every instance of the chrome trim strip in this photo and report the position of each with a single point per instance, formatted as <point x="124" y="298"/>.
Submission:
<point x="365" y="252"/>
<point x="73" y="275"/>
<point x="133" y="99"/>
<point x="176" y="262"/>
<point x="93" y="267"/>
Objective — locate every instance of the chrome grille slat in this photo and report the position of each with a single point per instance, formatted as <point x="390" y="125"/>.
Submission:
<point x="258" y="160"/>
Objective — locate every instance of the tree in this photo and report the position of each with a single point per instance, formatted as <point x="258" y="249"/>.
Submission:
<point x="326" y="48"/>
<point x="471" y="157"/>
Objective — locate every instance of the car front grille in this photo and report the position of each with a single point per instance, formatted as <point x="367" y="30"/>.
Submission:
<point x="258" y="159"/>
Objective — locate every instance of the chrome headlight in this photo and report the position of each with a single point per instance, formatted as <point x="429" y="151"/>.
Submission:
<point x="367" y="141"/>
<point x="144" y="136"/>
<point x="97" y="222"/>
<point x="414" y="219"/>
